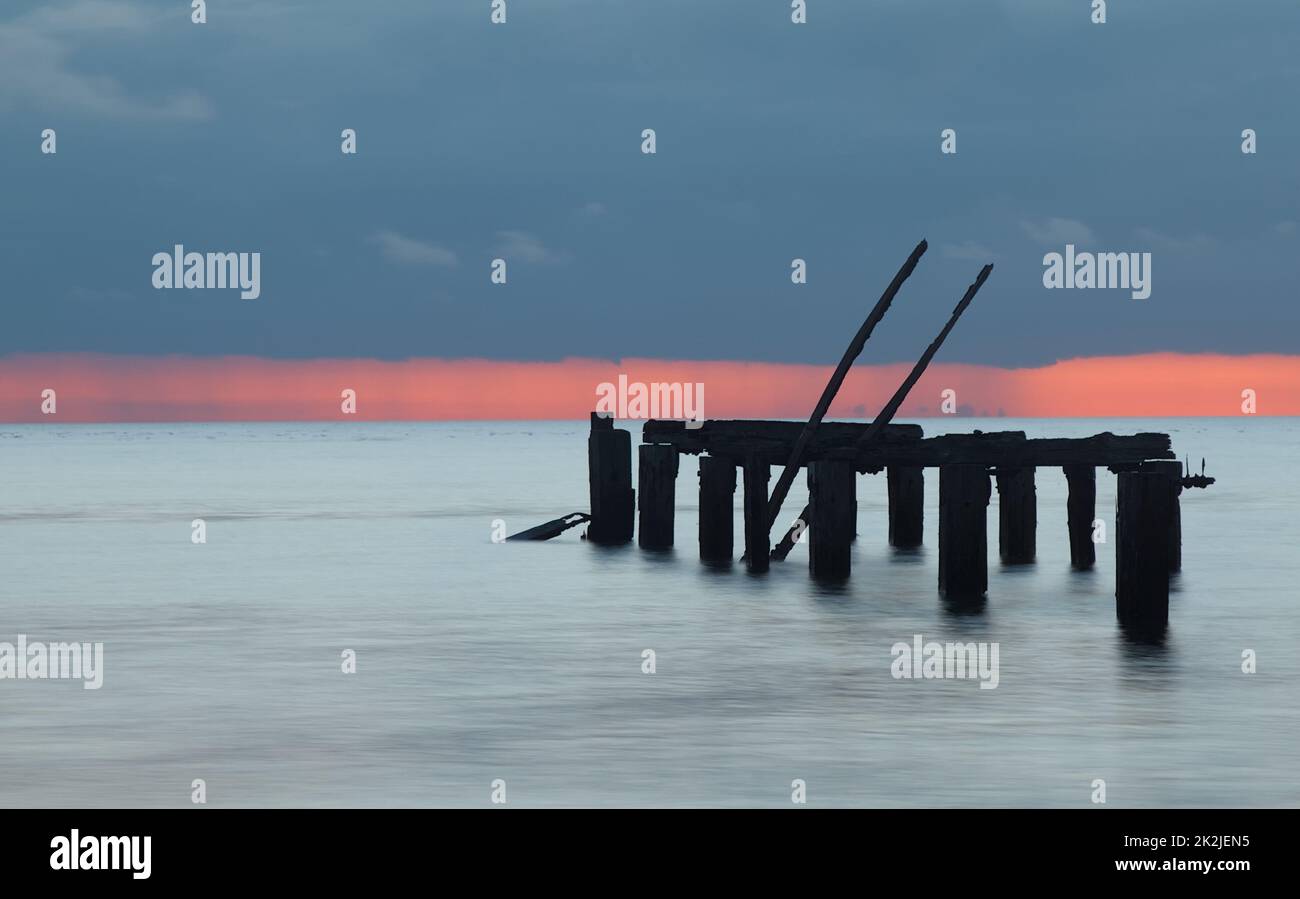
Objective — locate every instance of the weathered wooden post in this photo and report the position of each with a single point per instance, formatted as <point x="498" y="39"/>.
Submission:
<point x="1017" y="515"/>
<point x="853" y="492"/>
<point x="831" y="506"/>
<point x="656" y="495"/>
<point x="1176" y="530"/>
<point x="717" y="516"/>
<point x="1080" y="513"/>
<point x="1173" y="470"/>
<point x="1143" y="515"/>
<point x="609" y="473"/>
<point x="963" y="530"/>
<point x="757" y="524"/>
<point x="906" y="505"/>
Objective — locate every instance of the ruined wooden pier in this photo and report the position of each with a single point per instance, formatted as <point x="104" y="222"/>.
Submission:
<point x="1148" y="536"/>
<point x="741" y="453"/>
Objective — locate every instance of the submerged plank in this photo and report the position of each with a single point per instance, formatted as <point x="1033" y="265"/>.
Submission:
<point x="553" y="528"/>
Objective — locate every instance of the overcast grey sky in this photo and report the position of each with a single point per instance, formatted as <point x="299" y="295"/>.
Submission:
<point x="775" y="141"/>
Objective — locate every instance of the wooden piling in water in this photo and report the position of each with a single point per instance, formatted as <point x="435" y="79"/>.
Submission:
<point x="830" y="530"/>
<point x="1017" y="515"/>
<point x="1173" y="470"/>
<point x="1143" y="515"/>
<point x="717" y="517"/>
<point x="963" y="530"/>
<point x="853" y="494"/>
<point x="1080" y="513"/>
<point x="609" y="473"/>
<point x="656" y="495"/>
<point x="757" y="524"/>
<point x="906" y="505"/>
<point x="1176" y="532"/>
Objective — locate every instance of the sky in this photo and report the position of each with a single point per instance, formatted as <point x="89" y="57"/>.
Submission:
<point x="523" y="141"/>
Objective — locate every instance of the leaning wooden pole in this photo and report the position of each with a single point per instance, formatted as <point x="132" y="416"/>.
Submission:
<point x="837" y="379"/>
<point x="886" y="414"/>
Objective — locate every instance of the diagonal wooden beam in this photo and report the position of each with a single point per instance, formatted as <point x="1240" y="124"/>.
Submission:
<point x="891" y="408"/>
<point x="783" y="548"/>
<point x="833" y="385"/>
<point x="553" y="528"/>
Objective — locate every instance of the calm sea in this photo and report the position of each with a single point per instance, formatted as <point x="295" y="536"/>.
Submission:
<point x="479" y="661"/>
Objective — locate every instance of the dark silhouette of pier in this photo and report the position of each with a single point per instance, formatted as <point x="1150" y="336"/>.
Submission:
<point x="1148" y="529"/>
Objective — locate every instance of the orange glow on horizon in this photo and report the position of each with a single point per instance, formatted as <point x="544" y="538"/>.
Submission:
<point x="103" y="388"/>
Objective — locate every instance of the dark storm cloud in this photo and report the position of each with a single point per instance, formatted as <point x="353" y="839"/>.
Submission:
<point x="775" y="141"/>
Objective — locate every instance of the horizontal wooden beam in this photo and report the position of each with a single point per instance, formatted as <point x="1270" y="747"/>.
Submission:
<point x="903" y="445"/>
<point x="1010" y="449"/>
<point x="770" y="441"/>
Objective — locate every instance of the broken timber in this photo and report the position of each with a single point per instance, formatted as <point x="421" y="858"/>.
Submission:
<point x="757" y="532"/>
<point x="963" y="531"/>
<point x="837" y="379"/>
<point x="1144" y="504"/>
<point x="553" y="528"/>
<point x="609" y="467"/>
<point x="896" y="401"/>
<point x="832" y="518"/>
<point x="1017" y="515"/>
<point x="717" y="518"/>
<point x="1081" y="512"/>
<point x="906" y="485"/>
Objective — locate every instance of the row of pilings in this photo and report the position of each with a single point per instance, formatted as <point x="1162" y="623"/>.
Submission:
<point x="1147" y="524"/>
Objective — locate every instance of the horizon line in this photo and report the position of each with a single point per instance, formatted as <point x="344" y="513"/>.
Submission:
<point x="96" y="388"/>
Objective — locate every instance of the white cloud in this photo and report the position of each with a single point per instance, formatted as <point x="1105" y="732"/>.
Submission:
<point x="1196" y="243"/>
<point x="1044" y="11"/>
<point x="36" y="63"/>
<point x="968" y="250"/>
<point x="526" y="247"/>
<point x="1058" y="231"/>
<point x="86" y="16"/>
<point x="261" y="9"/>
<point x="409" y="251"/>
